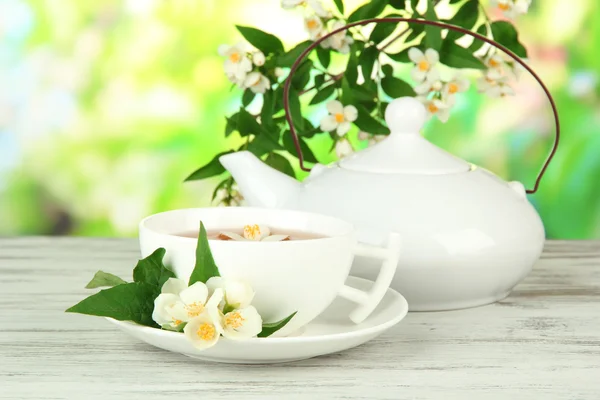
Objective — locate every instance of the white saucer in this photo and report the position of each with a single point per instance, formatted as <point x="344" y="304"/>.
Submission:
<point x="331" y="332"/>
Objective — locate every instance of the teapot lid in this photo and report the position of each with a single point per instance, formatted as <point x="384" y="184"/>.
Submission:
<point x="405" y="150"/>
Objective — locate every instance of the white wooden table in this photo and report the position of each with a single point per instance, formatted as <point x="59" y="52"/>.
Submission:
<point x="543" y="342"/>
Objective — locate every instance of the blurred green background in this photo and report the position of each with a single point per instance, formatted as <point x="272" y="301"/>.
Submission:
<point x="106" y="107"/>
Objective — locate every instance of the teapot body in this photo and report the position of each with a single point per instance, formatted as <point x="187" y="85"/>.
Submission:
<point x="468" y="238"/>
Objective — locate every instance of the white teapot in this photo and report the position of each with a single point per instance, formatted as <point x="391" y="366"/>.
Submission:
<point x="468" y="237"/>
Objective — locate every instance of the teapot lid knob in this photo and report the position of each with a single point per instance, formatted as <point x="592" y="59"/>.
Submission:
<point x="405" y="115"/>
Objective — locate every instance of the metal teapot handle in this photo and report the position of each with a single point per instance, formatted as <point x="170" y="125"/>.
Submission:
<point x="288" y="82"/>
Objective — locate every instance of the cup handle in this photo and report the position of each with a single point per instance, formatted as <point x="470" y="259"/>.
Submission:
<point x="367" y="301"/>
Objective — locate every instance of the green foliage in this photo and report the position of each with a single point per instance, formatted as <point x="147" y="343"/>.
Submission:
<point x="270" y="328"/>
<point x="456" y="56"/>
<point x="205" y="267"/>
<point x="263" y="41"/>
<point x="125" y="302"/>
<point x="506" y="34"/>
<point x="104" y="279"/>
<point x="152" y="271"/>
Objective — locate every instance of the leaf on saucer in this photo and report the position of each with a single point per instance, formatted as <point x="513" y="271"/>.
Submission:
<point x="152" y="271"/>
<point x="126" y="302"/>
<point x="270" y="328"/>
<point x="104" y="279"/>
<point x="205" y="267"/>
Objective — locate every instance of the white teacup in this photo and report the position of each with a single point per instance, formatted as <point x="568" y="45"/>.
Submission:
<point x="298" y="275"/>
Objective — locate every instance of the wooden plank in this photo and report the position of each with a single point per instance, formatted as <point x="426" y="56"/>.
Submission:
<point x="541" y="342"/>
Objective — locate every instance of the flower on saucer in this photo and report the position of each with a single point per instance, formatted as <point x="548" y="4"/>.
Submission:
<point x="254" y="232"/>
<point x="238" y="324"/>
<point x="203" y="331"/>
<point x="339" y="118"/>
<point x="236" y="294"/>
<point x="178" y="304"/>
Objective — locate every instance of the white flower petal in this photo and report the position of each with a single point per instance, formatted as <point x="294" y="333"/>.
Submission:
<point x="214" y="283"/>
<point x="174" y="286"/>
<point x="275" y="238"/>
<point x="418" y="75"/>
<point x="335" y="107"/>
<point x="423" y="88"/>
<point x="362" y="135"/>
<point x="178" y="313"/>
<point x="234" y="236"/>
<point x="343" y="148"/>
<point x="241" y="324"/>
<point x="161" y="304"/>
<point x="223" y="50"/>
<point x="350" y="113"/>
<point x="212" y="308"/>
<point x="443" y="115"/>
<point x="258" y="58"/>
<point x="328" y="123"/>
<point x="415" y="55"/>
<point x="201" y="332"/>
<point x="195" y="294"/>
<point x="238" y="294"/>
<point x="256" y="231"/>
<point x="432" y="56"/>
<point x="343" y="128"/>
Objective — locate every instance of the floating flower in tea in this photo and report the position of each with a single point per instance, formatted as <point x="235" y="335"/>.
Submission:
<point x="254" y="232"/>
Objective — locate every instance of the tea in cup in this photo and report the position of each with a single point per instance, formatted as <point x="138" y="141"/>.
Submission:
<point x="303" y="271"/>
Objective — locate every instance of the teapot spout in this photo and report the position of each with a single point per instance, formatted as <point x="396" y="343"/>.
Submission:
<point x="260" y="184"/>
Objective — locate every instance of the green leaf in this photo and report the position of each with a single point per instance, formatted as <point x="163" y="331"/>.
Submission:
<point x="383" y="30"/>
<point x="126" y="302"/>
<point x="267" y="111"/>
<point x="302" y="75"/>
<point x="433" y="38"/>
<point x="324" y="56"/>
<point x="466" y="17"/>
<point x="152" y="271"/>
<point x="506" y="34"/>
<point x="395" y="87"/>
<point x="296" y="111"/>
<point x="367" y="123"/>
<point x="221" y="185"/>
<point x="263" y="144"/>
<point x="401" y="56"/>
<point x="477" y="44"/>
<point x="387" y="69"/>
<point x="280" y="163"/>
<point x="323" y="94"/>
<point x="270" y="328"/>
<point x="351" y="73"/>
<point x="367" y="61"/>
<point x="413" y="5"/>
<point x="287" y="59"/>
<point x="263" y="41"/>
<point x="288" y="143"/>
<point x="415" y="31"/>
<point x="231" y="124"/>
<point x="347" y="92"/>
<point x="340" y="5"/>
<point x="369" y="10"/>
<point x="205" y="267"/>
<point x="211" y="169"/>
<point x="247" y="124"/>
<point x="456" y="56"/>
<point x="247" y="97"/>
<point x="398" y="4"/>
<point x="104" y="279"/>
